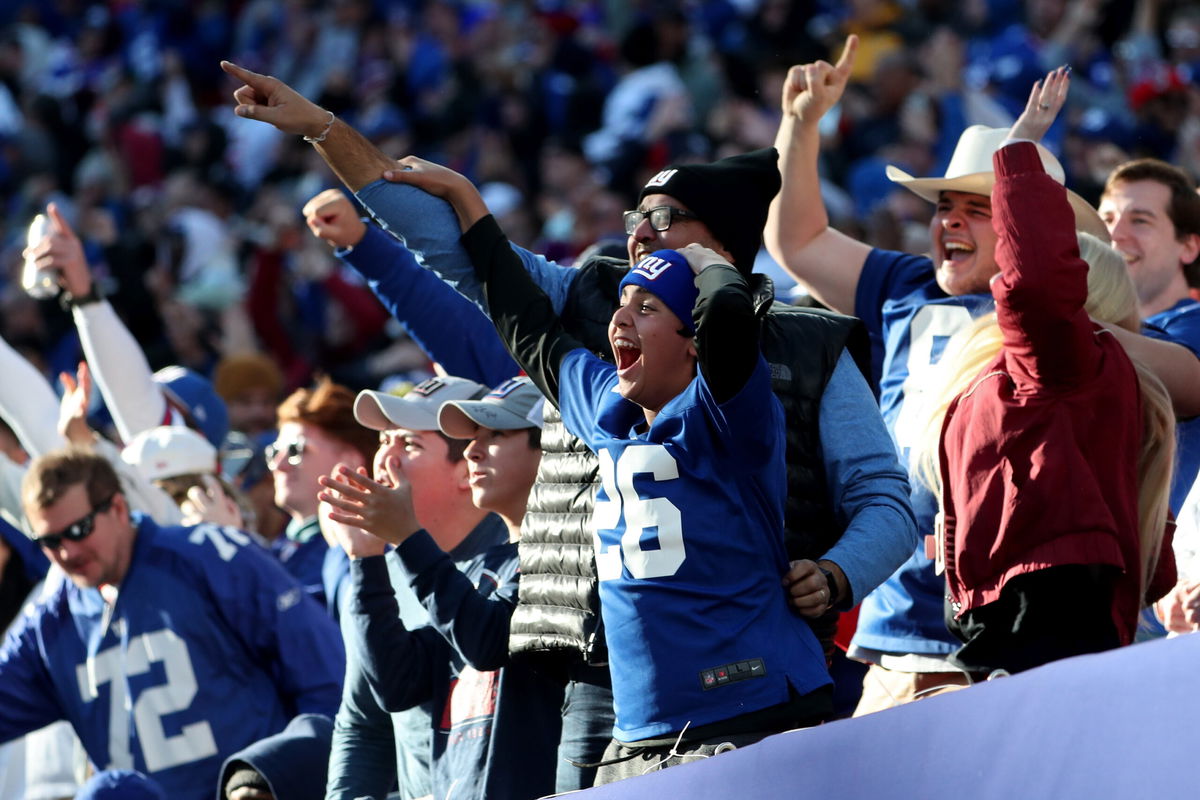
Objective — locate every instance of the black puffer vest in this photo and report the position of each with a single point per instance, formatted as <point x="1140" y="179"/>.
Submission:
<point x="558" y="606"/>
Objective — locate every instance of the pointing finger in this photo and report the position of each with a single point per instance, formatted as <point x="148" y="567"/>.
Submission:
<point x="846" y="61"/>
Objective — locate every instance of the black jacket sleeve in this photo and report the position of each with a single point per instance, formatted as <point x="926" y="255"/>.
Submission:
<point x="521" y="311"/>
<point x="727" y="330"/>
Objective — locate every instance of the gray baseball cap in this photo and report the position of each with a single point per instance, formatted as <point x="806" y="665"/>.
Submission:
<point x="510" y="406"/>
<point x="418" y="409"/>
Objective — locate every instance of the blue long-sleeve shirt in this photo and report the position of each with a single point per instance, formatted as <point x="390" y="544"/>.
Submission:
<point x="869" y="490"/>
<point x="452" y="331"/>
<point x="486" y="709"/>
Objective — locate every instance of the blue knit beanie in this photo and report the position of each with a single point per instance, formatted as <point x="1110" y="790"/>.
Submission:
<point x="666" y="275"/>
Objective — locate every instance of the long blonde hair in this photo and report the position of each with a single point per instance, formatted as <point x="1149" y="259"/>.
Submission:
<point x="1111" y="299"/>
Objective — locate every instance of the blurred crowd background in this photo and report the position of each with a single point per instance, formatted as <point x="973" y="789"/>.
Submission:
<point x="557" y="109"/>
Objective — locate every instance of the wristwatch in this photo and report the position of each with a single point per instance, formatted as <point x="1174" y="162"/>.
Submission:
<point x="834" y="594"/>
<point x="94" y="295"/>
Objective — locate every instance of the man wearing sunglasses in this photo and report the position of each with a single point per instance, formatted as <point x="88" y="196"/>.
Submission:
<point x="317" y="430"/>
<point x="167" y="648"/>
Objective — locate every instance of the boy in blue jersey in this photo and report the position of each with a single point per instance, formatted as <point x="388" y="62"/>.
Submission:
<point x="912" y="306"/>
<point x="167" y="649"/>
<point x="688" y="524"/>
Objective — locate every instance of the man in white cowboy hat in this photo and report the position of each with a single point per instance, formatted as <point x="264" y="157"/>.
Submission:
<point x="912" y="305"/>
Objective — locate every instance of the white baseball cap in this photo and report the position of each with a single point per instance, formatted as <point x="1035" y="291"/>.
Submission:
<point x="169" y="451"/>
<point x="418" y="409"/>
<point x="509" y="406"/>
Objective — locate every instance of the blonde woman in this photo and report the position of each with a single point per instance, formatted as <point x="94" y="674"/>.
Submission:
<point x="1051" y="447"/>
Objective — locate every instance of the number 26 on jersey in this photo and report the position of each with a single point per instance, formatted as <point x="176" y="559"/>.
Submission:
<point x="625" y="511"/>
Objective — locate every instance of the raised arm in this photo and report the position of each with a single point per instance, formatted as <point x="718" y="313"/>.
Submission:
<point x="420" y="220"/>
<point x="27" y="403"/>
<point x="524" y="315"/>
<point x="417" y="298"/>
<point x="349" y="154"/>
<point x="726" y="327"/>
<point x="798" y="235"/>
<point x="1017" y="212"/>
<point x="118" y="364"/>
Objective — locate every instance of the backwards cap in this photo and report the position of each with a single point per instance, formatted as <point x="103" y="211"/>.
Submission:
<point x="667" y="275"/>
<point x="193" y="395"/>
<point x="731" y="196"/>
<point x="169" y="451"/>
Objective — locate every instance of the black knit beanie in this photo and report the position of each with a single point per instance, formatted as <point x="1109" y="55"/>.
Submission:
<point x="731" y="197"/>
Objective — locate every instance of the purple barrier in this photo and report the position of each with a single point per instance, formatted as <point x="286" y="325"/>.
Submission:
<point x="1120" y="724"/>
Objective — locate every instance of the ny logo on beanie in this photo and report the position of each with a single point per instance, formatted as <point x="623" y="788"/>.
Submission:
<point x="661" y="178"/>
<point x="652" y="266"/>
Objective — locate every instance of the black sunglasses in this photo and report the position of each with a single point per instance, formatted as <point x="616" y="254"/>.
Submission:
<point x="293" y="451"/>
<point x="661" y="218"/>
<point x="78" y="530"/>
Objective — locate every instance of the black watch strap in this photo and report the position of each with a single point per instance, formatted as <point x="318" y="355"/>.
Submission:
<point x="94" y="295"/>
<point x="834" y="595"/>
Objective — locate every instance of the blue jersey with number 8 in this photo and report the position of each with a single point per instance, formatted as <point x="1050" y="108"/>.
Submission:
<point x="688" y="528"/>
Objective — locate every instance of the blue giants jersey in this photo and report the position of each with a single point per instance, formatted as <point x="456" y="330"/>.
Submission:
<point x="688" y="530"/>
<point x="208" y="647"/>
<point x="901" y="304"/>
<point x="1181" y="324"/>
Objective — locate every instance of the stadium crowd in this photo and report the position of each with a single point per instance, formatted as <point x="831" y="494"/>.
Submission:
<point x="474" y="399"/>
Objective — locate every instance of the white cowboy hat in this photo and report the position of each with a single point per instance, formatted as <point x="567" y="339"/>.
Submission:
<point x="970" y="170"/>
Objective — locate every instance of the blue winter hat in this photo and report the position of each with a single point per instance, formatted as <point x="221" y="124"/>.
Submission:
<point x="667" y="275"/>
<point x="120" y="784"/>
<point x="194" y="395"/>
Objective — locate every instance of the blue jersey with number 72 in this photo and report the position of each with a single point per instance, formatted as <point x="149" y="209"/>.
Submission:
<point x="209" y="646"/>
<point x="688" y="528"/>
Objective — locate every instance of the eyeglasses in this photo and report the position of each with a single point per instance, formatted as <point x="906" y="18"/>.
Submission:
<point x="293" y="451"/>
<point x="78" y="530"/>
<point x="661" y="218"/>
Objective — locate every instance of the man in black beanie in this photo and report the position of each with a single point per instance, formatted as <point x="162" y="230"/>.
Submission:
<point x="726" y="196"/>
<point x="848" y="521"/>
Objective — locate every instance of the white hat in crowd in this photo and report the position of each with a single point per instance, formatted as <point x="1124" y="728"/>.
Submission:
<point x="418" y="409"/>
<point x="169" y="451"/>
<point x="970" y="170"/>
<point x="514" y="404"/>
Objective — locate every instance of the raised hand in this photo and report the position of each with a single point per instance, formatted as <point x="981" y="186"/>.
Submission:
<point x="332" y="218"/>
<point x="61" y="250"/>
<point x="1046" y="99"/>
<point x="700" y="257"/>
<point x="812" y="89"/>
<point x="355" y="541"/>
<point x="272" y="101"/>
<point x="441" y="182"/>
<point x="73" y="409"/>
<point x="380" y="510"/>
